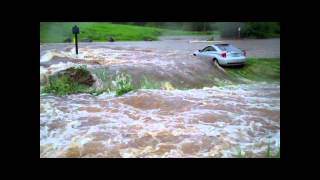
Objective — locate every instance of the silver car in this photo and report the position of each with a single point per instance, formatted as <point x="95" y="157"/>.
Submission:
<point x="225" y="54"/>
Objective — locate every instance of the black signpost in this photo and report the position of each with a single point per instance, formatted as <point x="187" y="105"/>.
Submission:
<point x="75" y="31"/>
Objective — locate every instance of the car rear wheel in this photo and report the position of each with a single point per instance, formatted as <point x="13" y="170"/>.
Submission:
<point x="214" y="59"/>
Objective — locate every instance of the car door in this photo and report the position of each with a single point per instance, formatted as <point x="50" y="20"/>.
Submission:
<point x="203" y="53"/>
<point x="209" y="53"/>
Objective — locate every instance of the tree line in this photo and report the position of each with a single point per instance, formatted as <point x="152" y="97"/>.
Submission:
<point x="227" y="29"/>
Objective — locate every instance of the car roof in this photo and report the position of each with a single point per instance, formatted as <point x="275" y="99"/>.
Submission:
<point x="221" y="44"/>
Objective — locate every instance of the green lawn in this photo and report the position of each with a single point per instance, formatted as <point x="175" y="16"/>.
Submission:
<point x="262" y="69"/>
<point x="55" y="32"/>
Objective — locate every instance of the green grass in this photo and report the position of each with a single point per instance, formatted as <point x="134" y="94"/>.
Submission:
<point x="147" y="83"/>
<point x="106" y="78"/>
<point x="57" y="32"/>
<point x="269" y="153"/>
<point x="63" y="85"/>
<point x="241" y="154"/>
<point x="124" y="84"/>
<point x="265" y="69"/>
<point x="168" y="32"/>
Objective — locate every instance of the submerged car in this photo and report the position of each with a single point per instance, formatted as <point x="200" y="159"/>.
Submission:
<point x="224" y="54"/>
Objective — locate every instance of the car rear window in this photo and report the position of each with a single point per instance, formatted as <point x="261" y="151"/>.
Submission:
<point x="227" y="47"/>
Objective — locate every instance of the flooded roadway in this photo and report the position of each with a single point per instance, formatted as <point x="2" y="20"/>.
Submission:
<point x="203" y="121"/>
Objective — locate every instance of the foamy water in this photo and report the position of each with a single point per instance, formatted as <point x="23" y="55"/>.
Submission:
<point x="208" y="122"/>
<point x="106" y="56"/>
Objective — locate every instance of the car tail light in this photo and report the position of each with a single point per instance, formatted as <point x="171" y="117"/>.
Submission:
<point x="244" y="53"/>
<point x="224" y="54"/>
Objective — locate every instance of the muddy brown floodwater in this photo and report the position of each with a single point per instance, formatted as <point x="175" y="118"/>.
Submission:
<point x="203" y="121"/>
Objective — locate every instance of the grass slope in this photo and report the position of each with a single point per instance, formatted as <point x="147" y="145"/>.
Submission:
<point x="262" y="69"/>
<point x="57" y="32"/>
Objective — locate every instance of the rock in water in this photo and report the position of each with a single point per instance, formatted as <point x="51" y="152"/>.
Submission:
<point x="147" y="39"/>
<point x="86" y="40"/>
<point x="111" y="39"/>
<point x="68" y="40"/>
<point x="79" y="75"/>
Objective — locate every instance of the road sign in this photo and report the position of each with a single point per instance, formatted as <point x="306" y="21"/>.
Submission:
<point x="76" y="31"/>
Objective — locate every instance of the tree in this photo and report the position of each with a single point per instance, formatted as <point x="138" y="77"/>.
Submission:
<point x="261" y="29"/>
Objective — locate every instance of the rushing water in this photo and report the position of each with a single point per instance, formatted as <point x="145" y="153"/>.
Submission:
<point x="156" y="123"/>
<point x="199" y="122"/>
<point x="176" y="66"/>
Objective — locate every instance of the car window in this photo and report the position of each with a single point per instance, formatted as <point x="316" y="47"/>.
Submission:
<point x="205" y="49"/>
<point x="209" y="48"/>
<point x="227" y="47"/>
<point x="212" y="49"/>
